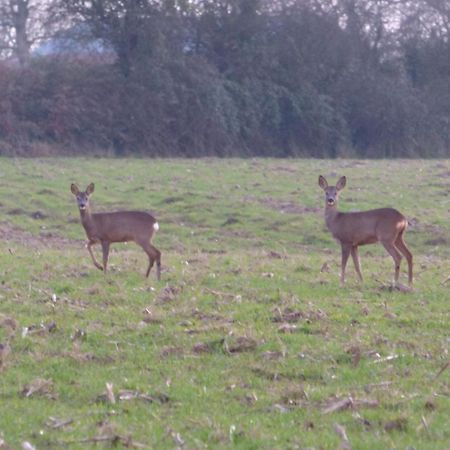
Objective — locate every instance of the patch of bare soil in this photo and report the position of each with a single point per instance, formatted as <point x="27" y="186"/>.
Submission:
<point x="173" y="199"/>
<point x="46" y="192"/>
<point x="438" y="232"/>
<point x="274" y="375"/>
<point x="36" y="215"/>
<point x="289" y="315"/>
<point x="17" y="212"/>
<point x="12" y="234"/>
<point x="285" y="169"/>
<point x="437" y="241"/>
<point x="40" y="386"/>
<point x="286" y="207"/>
<point x="231" y="221"/>
<point x="168" y="294"/>
<point x="348" y="403"/>
<point x="354" y="163"/>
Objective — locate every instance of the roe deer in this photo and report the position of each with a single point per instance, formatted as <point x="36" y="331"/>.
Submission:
<point x="120" y="226"/>
<point x="385" y="225"/>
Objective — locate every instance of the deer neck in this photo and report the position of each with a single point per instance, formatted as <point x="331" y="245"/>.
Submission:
<point x="87" y="221"/>
<point x="331" y="215"/>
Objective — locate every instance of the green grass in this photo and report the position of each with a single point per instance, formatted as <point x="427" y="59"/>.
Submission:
<point x="247" y="342"/>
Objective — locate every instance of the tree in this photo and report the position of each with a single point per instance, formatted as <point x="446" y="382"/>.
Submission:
<point x="23" y="24"/>
<point x="324" y="78"/>
<point x="135" y="29"/>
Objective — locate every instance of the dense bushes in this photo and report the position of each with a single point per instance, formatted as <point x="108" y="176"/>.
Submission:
<point x="240" y="80"/>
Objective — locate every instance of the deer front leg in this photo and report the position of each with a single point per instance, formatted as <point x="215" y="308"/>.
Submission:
<point x="88" y="246"/>
<point x="355" y="257"/>
<point x="105" y="250"/>
<point x="346" y="248"/>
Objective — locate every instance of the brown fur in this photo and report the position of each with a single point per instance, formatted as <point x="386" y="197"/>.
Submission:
<point x="384" y="225"/>
<point x="120" y="226"/>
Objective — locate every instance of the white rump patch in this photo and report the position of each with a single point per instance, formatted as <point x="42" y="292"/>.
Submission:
<point x="156" y="226"/>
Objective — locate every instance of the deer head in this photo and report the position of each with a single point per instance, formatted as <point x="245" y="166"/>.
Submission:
<point x="82" y="196"/>
<point x="332" y="192"/>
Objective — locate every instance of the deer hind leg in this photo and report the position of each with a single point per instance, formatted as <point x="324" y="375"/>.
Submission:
<point x="88" y="246"/>
<point x="153" y="255"/>
<point x="355" y="257"/>
<point x="346" y="249"/>
<point x="105" y="249"/>
<point x="400" y="244"/>
<point x="396" y="256"/>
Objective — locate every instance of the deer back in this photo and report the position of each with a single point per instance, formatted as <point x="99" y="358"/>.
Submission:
<point x="366" y="227"/>
<point x="122" y="226"/>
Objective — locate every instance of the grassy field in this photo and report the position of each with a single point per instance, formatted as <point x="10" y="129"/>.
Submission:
<point x="248" y="341"/>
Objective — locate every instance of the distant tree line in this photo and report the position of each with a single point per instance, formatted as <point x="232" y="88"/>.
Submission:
<point x="322" y="78"/>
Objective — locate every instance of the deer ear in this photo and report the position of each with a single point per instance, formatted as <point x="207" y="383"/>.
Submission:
<point x="90" y="189"/>
<point x="322" y="182"/>
<point x="341" y="183"/>
<point x="74" y="189"/>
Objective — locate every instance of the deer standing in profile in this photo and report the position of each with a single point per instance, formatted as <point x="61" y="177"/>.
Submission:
<point x="384" y="225"/>
<point x="120" y="226"/>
